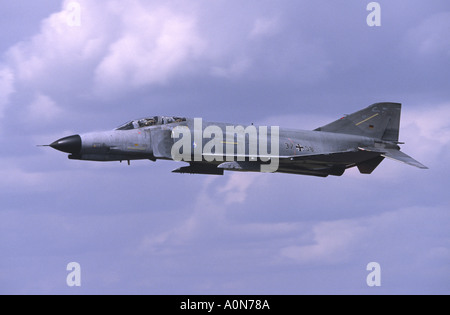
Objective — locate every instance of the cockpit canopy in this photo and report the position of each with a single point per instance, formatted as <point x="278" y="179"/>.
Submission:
<point x="153" y="121"/>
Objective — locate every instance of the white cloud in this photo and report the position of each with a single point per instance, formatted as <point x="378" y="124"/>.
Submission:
<point x="209" y="216"/>
<point x="332" y="243"/>
<point x="118" y="46"/>
<point x="431" y="36"/>
<point x="14" y="178"/>
<point x="42" y="110"/>
<point x="416" y="238"/>
<point x="344" y="241"/>
<point x="6" y="88"/>
<point x="235" y="190"/>
<point x="265" y="27"/>
<point x="306" y="121"/>
<point x="59" y="47"/>
<point x="236" y="69"/>
<point x="426" y="131"/>
<point x="430" y="122"/>
<point x="155" y="45"/>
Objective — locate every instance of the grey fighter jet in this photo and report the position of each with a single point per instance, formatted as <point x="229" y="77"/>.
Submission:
<point x="362" y="139"/>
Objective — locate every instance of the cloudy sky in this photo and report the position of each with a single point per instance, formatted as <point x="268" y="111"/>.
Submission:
<point x="70" y="67"/>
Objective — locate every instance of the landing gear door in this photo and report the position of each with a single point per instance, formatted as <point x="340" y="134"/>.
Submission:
<point x="162" y="143"/>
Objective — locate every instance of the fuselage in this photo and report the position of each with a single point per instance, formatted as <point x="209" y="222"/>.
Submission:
<point x="137" y="144"/>
<point x="361" y="139"/>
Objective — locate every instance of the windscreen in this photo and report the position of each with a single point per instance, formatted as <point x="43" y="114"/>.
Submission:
<point x="147" y="122"/>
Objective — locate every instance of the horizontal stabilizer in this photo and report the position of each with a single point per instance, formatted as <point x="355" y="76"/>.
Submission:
<point x="396" y="155"/>
<point x="402" y="157"/>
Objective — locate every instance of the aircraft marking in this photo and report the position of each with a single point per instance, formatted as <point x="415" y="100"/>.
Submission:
<point x="367" y="119"/>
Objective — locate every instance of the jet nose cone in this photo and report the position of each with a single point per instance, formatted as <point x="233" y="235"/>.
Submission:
<point x="71" y="144"/>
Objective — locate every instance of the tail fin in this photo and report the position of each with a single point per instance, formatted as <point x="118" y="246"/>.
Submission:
<point x="380" y="121"/>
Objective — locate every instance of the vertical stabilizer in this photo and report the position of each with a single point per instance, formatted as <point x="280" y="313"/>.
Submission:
<point x="380" y="121"/>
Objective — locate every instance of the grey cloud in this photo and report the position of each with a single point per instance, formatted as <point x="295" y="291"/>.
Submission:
<point x="297" y="64"/>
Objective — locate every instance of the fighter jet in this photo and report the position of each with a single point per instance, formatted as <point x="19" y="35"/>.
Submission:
<point x="362" y="139"/>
